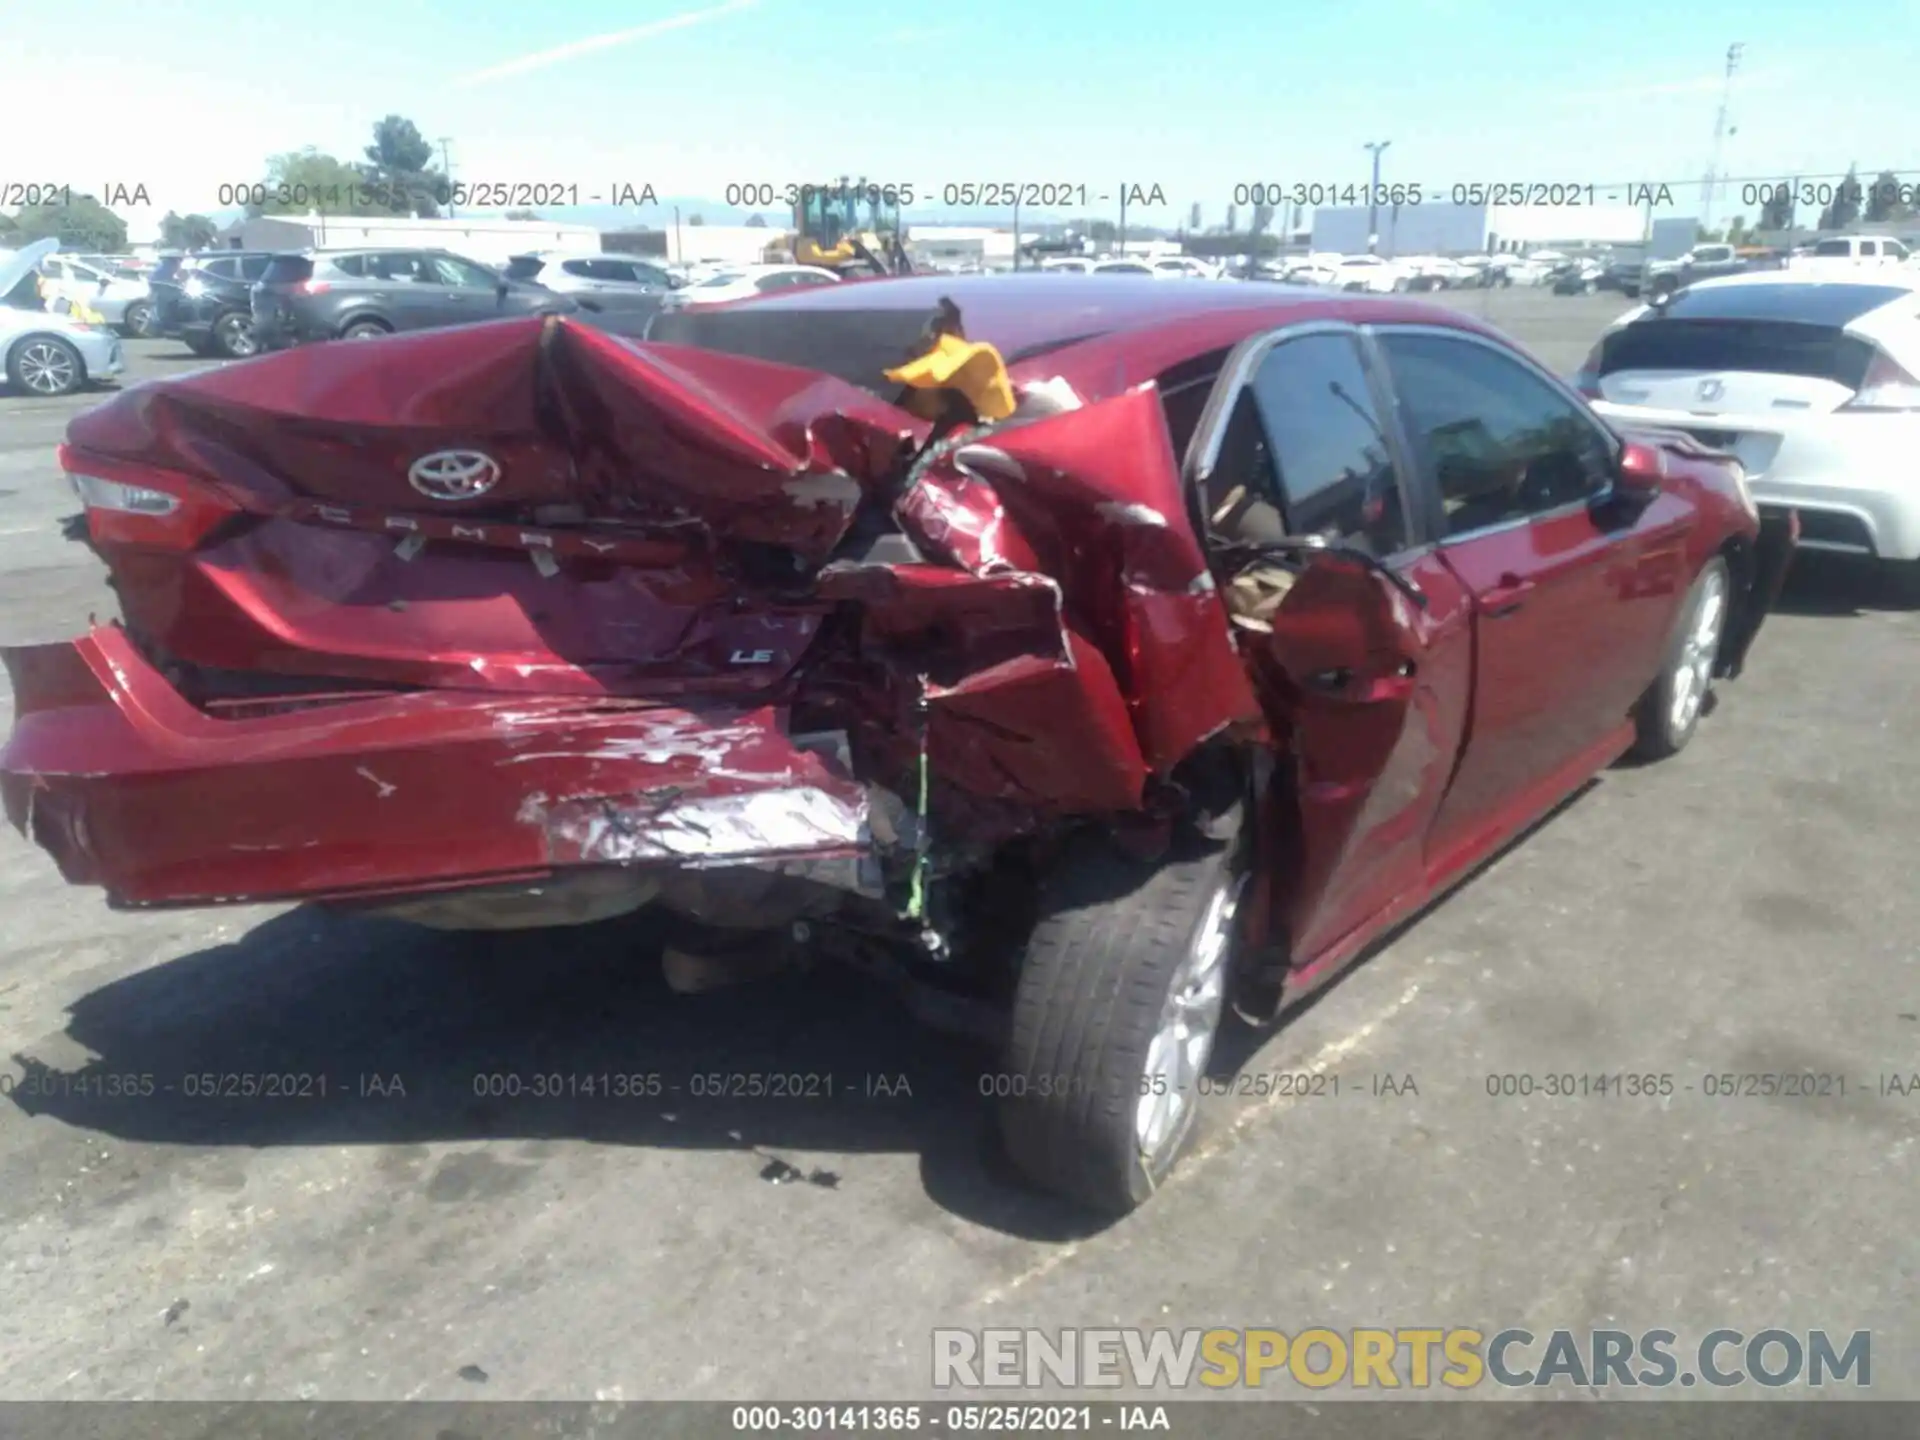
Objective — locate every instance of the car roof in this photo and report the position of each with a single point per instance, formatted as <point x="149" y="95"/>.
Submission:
<point x="1107" y="328"/>
<point x="1887" y="275"/>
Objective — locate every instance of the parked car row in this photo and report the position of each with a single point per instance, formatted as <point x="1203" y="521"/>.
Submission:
<point x="46" y="352"/>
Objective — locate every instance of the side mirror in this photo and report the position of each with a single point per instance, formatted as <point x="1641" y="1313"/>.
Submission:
<point x="1640" y="472"/>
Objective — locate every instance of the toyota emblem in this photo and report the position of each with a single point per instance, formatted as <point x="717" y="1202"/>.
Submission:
<point x="1710" y="390"/>
<point x="454" y="474"/>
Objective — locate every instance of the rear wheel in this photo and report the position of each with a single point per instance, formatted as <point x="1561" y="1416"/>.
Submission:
<point x="1900" y="581"/>
<point x="365" y="330"/>
<point x="138" y="321"/>
<point x="1114" y="1019"/>
<point x="46" y="365"/>
<point x="233" y="336"/>
<point x="1670" y="711"/>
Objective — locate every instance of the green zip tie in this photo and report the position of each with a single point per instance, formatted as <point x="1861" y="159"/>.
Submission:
<point x="917" y="894"/>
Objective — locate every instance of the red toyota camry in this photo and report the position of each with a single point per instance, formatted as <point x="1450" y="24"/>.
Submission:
<point x="1085" y="651"/>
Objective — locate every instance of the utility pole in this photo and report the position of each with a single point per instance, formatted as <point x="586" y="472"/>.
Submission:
<point x="446" y="168"/>
<point x="1016" y="227"/>
<point x="1720" y="133"/>
<point x="1123" y="220"/>
<point x="1373" y="192"/>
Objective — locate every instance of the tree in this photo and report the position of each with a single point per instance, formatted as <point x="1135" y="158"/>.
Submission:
<point x="522" y="215"/>
<point x="85" y="225"/>
<point x="187" y="232"/>
<point x="1262" y="218"/>
<point x="696" y="220"/>
<point x="1193" y="218"/>
<point x="1737" y="230"/>
<point x="1883" y="201"/>
<point x="1845" y="208"/>
<point x="304" y="180"/>
<point x="1103" y="232"/>
<point x="400" y="163"/>
<point x="1233" y="218"/>
<point x="756" y="222"/>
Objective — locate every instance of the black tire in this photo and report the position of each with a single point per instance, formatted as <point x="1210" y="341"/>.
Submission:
<point x="46" y="365"/>
<point x="137" y="323"/>
<point x="1659" y="730"/>
<point x="366" y="330"/>
<point x="233" y="336"/>
<point x="1900" y="582"/>
<point x="1112" y="942"/>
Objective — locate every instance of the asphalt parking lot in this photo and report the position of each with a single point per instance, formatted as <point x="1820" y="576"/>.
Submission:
<point x="1745" y="908"/>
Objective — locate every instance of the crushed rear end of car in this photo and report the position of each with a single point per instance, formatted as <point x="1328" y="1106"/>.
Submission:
<point x="524" y="624"/>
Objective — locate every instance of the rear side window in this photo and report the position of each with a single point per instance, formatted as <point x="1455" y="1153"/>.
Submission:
<point x="354" y="265"/>
<point x="287" y="270"/>
<point x="1834" y="247"/>
<point x="1768" y="347"/>
<point x="1328" y="448"/>
<point x="252" y="267"/>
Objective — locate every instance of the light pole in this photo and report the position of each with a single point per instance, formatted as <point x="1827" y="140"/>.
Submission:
<point x="446" y="168"/>
<point x="1720" y="133"/>
<point x="1377" y="147"/>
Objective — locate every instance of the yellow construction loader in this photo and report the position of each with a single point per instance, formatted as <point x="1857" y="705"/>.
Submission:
<point x="854" y="229"/>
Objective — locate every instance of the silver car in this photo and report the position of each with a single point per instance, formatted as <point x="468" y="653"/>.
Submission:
<point x="48" y="354"/>
<point x="124" y="302"/>
<point x="583" y="272"/>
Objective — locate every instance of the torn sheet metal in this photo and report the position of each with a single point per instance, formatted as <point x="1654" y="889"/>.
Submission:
<point x="1092" y="497"/>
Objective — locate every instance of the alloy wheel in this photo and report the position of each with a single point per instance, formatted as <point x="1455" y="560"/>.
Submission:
<point x="47" y="368"/>
<point x="1693" y="671"/>
<point x="1189" y="1022"/>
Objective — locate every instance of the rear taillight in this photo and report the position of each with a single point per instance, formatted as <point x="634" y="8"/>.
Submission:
<point x="314" y="287"/>
<point x="1887" y="386"/>
<point x="136" y="505"/>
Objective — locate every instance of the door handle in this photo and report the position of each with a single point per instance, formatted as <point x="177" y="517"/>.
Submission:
<point x="1506" y="597"/>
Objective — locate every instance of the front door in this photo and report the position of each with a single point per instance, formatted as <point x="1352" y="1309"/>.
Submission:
<point x="1570" y="598"/>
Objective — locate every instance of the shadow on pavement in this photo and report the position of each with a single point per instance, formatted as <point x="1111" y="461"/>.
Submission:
<point x="384" y="1034"/>
<point x="1827" y="584"/>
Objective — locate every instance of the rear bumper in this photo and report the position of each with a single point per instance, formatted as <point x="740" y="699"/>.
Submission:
<point x="128" y="786"/>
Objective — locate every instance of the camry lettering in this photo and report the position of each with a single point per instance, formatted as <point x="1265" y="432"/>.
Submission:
<point x="469" y="532"/>
<point x="402" y="522"/>
<point x="752" y="657"/>
<point x="336" y="515"/>
<point x="601" y="547"/>
<point x="529" y="537"/>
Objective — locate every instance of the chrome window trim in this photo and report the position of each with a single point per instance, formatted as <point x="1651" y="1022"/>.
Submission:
<point x="1613" y="444"/>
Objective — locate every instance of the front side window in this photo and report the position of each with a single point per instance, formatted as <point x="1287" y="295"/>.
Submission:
<point x="1498" y="442"/>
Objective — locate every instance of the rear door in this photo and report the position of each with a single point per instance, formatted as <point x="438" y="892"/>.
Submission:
<point x="1571" y="598"/>
<point x="476" y="293"/>
<point x="1364" y="687"/>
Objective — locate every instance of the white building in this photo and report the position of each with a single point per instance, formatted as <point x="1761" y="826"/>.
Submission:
<point x="488" y="239"/>
<point x="1440" y="229"/>
<point x="960" y="244"/>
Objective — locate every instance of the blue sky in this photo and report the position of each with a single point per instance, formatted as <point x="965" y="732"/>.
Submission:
<point x="691" y="94"/>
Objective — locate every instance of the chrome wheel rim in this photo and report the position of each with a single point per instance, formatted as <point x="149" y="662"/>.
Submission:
<point x="47" y="368"/>
<point x="239" y="338"/>
<point x="140" y="320"/>
<point x="1189" y="1020"/>
<point x="1693" y="673"/>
